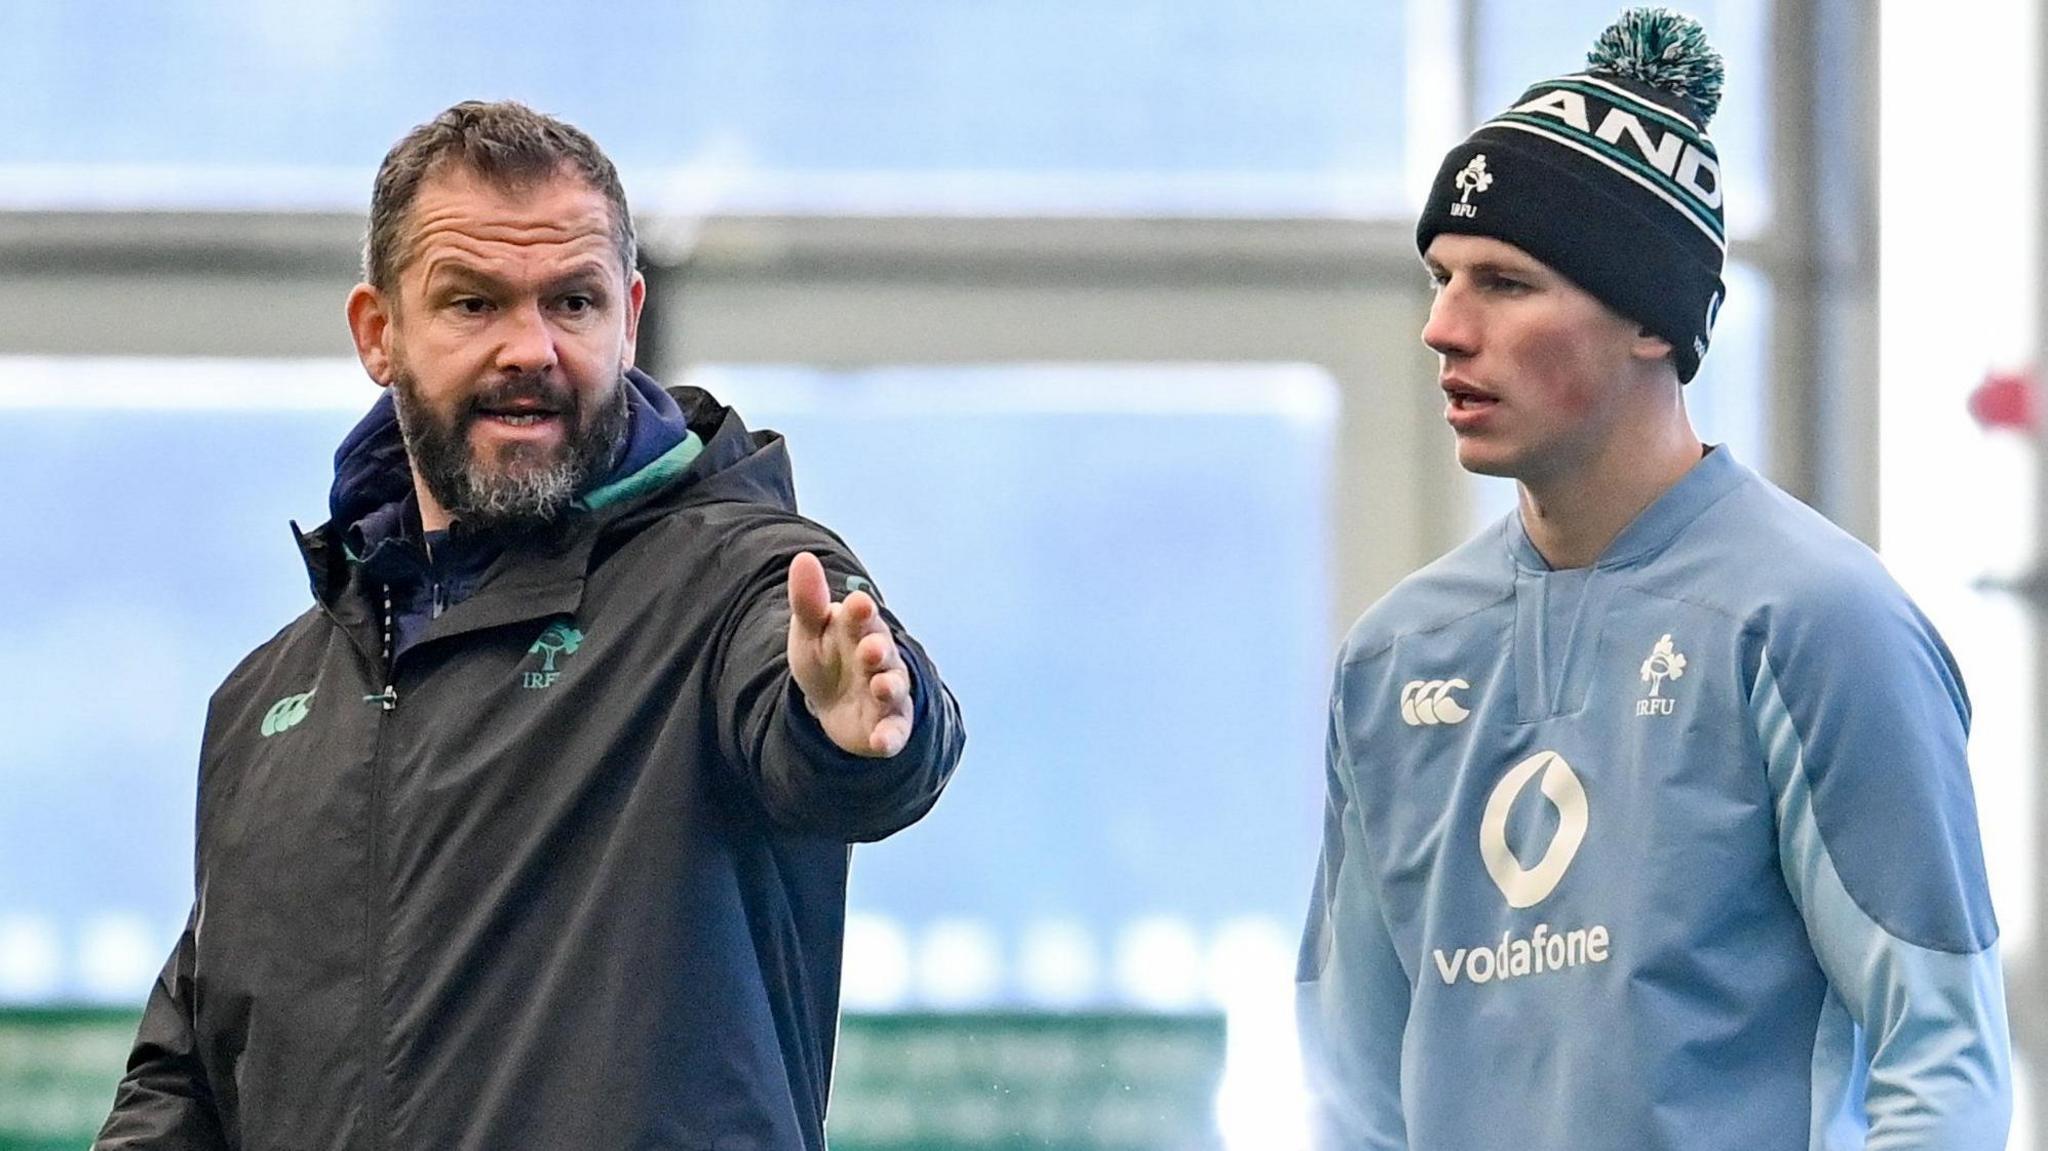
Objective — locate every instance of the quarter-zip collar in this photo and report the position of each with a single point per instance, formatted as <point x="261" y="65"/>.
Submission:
<point x="1715" y="475"/>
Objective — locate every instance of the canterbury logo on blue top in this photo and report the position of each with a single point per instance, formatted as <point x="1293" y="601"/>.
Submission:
<point x="1428" y="702"/>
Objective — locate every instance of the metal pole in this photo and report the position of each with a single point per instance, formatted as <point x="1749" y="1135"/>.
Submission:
<point x="1823" y="260"/>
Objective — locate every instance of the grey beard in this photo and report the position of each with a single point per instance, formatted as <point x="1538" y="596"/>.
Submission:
<point x="514" y="489"/>
<point x="518" y="495"/>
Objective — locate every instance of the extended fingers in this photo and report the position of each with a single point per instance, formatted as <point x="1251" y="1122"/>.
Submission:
<point x="876" y="652"/>
<point x="860" y="613"/>
<point x="890" y="735"/>
<point x="891" y="689"/>
<point x="810" y="599"/>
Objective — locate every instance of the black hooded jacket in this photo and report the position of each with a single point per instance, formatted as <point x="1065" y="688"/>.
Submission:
<point x="568" y="872"/>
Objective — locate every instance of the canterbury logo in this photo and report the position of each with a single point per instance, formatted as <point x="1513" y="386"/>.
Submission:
<point x="1428" y="702"/>
<point x="1526" y="887"/>
<point x="287" y="713"/>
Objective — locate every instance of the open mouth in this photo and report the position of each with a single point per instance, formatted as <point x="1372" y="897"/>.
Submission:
<point x="524" y="412"/>
<point x="1464" y="399"/>
<point x="523" y="408"/>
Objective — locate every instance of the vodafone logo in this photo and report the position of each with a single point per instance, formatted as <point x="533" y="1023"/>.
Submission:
<point x="1542" y="950"/>
<point x="1528" y="886"/>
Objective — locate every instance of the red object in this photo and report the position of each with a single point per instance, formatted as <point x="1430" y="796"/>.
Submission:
<point x="2007" y="400"/>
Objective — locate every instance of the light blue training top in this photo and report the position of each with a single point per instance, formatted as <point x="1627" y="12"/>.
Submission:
<point x="1670" y="853"/>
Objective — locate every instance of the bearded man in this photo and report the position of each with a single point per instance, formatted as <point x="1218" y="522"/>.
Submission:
<point x="533" y="830"/>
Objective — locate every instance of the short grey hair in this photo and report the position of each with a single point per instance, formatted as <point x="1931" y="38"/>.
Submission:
<point x="504" y="142"/>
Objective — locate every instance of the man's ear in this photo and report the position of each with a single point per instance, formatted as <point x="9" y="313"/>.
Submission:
<point x="1649" y="346"/>
<point x="369" y="324"/>
<point x="636" y="297"/>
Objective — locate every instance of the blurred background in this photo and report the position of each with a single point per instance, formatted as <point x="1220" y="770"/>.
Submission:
<point x="1094" y="329"/>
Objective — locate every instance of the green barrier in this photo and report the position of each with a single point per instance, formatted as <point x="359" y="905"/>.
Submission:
<point x="1047" y="1082"/>
<point x="913" y="1082"/>
<point x="58" y="1068"/>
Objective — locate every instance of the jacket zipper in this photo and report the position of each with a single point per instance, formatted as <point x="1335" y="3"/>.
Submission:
<point x="373" y="1071"/>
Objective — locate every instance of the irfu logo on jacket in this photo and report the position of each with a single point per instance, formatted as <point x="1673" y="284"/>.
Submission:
<point x="559" y="639"/>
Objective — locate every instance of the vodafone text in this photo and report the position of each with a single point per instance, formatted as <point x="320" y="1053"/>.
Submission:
<point x="1543" y="951"/>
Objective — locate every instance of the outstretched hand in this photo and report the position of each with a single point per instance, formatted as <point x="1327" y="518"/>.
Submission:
<point x="846" y="663"/>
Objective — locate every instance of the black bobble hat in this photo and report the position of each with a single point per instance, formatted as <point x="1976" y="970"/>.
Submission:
<point x="1607" y="176"/>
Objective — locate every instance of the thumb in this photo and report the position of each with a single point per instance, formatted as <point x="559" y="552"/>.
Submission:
<point x="810" y="600"/>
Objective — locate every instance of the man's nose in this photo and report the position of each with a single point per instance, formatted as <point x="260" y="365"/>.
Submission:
<point x="528" y="344"/>
<point x="1448" y="332"/>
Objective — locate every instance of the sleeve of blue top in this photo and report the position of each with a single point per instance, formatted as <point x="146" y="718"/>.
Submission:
<point x="1352" y="996"/>
<point x="1862" y="718"/>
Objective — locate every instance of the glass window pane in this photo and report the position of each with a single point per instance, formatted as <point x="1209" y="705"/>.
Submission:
<point x="154" y="498"/>
<point x="1124" y="573"/>
<point x="808" y="105"/>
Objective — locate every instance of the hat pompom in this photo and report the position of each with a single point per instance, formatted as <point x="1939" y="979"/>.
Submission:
<point x="1665" y="50"/>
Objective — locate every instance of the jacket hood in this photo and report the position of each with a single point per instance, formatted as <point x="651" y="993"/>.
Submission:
<point x="372" y="474"/>
<point x="683" y="445"/>
<point x="719" y="460"/>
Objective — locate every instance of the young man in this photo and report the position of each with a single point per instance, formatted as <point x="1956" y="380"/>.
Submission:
<point x="1649" y="823"/>
<point x="532" y="831"/>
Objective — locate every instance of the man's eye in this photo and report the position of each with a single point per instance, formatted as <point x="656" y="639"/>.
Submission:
<point x="472" y="305"/>
<point x="577" y="303"/>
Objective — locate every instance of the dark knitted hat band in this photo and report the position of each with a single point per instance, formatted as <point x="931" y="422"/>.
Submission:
<point x="1633" y="138"/>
